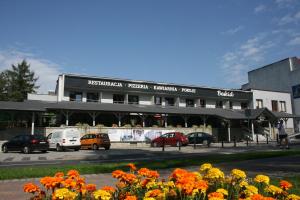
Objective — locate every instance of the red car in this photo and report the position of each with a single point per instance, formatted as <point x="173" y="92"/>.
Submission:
<point x="172" y="138"/>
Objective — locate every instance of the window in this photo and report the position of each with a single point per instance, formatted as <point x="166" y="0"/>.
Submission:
<point x="169" y="101"/>
<point x="189" y="102"/>
<point x="244" y="105"/>
<point x="259" y="103"/>
<point x="274" y="105"/>
<point x="92" y="97"/>
<point x="296" y="91"/>
<point x="118" y="98"/>
<point x="282" y="106"/>
<point x="202" y="103"/>
<point x="219" y="104"/>
<point x="157" y="100"/>
<point x="76" y="96"/>
<point x="133" y="99"/>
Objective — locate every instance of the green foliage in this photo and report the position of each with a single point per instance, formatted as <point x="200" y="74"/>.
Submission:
<point x="17" y="82"/>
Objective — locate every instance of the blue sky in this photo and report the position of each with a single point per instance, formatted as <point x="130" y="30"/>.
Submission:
<point x="207" y="43"/>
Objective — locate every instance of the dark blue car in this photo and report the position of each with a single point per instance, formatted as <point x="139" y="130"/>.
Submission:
<point x="201" y="138"/>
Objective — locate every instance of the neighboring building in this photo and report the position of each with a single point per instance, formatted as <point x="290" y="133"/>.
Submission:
<point x="282" y="76"/>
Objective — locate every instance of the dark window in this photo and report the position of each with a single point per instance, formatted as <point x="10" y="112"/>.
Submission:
<point x="169" y="101"/>
<point x="230" y="105"/>
<point x="274" y="105"/>
<point x="157" y="100"/>
<point x="118" y="98"/>
<point x="296" y="91"/>
<point x="244" y="105"/>
<point x="219" y="104"/>
<point x="133" y="99"/>
<point x="202" y="103"/>
<point x="92" y="97"/>
<point x="189" y="102"/>
<point x="76" y="96"/>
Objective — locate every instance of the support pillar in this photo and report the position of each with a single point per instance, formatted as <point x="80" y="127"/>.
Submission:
<point x="252" y="129"/>
<point x="166" y="121"/>
<point x="204" y="124"/>
<point x="270" y="129"/>
<point x="185" y="121"/>
<point x="229" y="132"/>
<point x="32" y="123"/>
<point x="67" y="114"/>
<point x="94" y="115"/>
<point x="142" y="118"/>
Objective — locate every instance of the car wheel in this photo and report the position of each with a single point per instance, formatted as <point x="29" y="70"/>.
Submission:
<point x="26" y="150"/>
<point x="95" y="147"/>
<point x="107" y="148"/>
<point x="58" y="147"/>
<point x="44" y="151"/>
<point x="76" y="149"/>
<point x="4" y="149"/>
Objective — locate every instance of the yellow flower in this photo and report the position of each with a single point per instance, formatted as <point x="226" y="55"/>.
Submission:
<point x="243" y="184"/>
<point x="149" y="198"/>
<point x="214" y="173"/>
<point x="293" y="197"/>
<point x="238" y="174"/>
<point x="251" y="190"/>
<point x="272" y="189"/>
<point x="205" y="166"/>
<point x="102" y="195"/>
<point x="64" y="193"/>
<point x="262" y="179"/>
<point x="222" y="191"/>
<point x="151" y="184"/>
<point x="170" y="184"/>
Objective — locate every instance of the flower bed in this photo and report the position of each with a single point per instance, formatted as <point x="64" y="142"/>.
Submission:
<point x="209" y="183"/>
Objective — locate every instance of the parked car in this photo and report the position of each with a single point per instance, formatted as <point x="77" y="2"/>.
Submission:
<point x="26" y="144"/>
<point x="64" y="139"/>
<point x="94" y="141"/>
<point x="201" y="138"/>
<point x="172" y="138"/>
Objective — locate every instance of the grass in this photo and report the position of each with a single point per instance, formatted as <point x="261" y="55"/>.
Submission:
<point x="40" y="171"/>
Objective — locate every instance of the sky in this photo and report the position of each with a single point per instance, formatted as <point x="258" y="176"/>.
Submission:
<point x="209" y="43"/>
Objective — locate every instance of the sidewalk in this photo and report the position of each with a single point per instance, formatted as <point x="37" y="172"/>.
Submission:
<point x="274" y="167"/>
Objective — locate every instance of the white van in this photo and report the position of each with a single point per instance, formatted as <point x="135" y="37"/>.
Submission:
<point x="64" y="139"/>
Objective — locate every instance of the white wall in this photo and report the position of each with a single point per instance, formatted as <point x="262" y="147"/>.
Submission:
<point x="66" y="96"/>
<point x="268" y="96"/>
<point x="42" y="97"/>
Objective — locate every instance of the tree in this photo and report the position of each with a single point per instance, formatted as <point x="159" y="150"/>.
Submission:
<point x="3" y="86"/>
<point x="20" y="80"/>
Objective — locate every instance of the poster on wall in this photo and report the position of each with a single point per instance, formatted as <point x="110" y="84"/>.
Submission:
<point x="135" y="135"/>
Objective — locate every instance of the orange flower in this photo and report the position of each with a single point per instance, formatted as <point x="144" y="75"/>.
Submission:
<point x="31" y="188"/>
<point x="69" y="183"/>
<point x="132" y="166"/>
<point x="148" y="173"/>
<point x="117" y="173"/>
<point x="108" y="189"/>
<point x="90" y="187"/>
<point x="131" y="198"/>
<point x="129" y="178"/>
<point x="59" y="174"/>
<point x="257" y="197"/>
<point x="153" y="193"/>
<point x="269" y="198"/>
<point x="51" y="182"/>
<point x="285" y="185"/>
<point x="215" y="195"/>
<point x="73" y="173"/>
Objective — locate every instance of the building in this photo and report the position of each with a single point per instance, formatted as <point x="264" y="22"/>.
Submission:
<point x="283" y="77"/>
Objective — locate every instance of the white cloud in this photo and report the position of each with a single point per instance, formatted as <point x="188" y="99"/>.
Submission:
<point x="295" y="41"/>
<point x="233" y="30"/>
<point x="235" y="64"/>
<point x="290" y="18"/>
<point x="46" y="70"/>
<point x="285" y="3"/>
<point x="260" y="8"/>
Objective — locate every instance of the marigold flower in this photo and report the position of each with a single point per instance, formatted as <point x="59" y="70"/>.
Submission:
<point x="102" y="195"/>
<point x="214" y="173"/>
<point x="243" y="184"/>
<point x="149" y="198"/>
<point x="90" y="187"/>
<point x="73" y="173"/>
<point x="262" y="179"/>
<point x="69" y="183"/>
<point x="293" y="197"/>
<point x="148" y="173"/>
<point x="59" y="174"/>
<point x="132" y="166"/>
<point x="51" y="182"/>
<point x="285" y="185"/>
<point x="251" y="190"/>
<point x="204" y="167"/>
<point x="238" y="174"/>
<point x="133" y="197"/>
<point x="215" y="196"/>
<point x="154" y="193"/>
<point x="269" y="198"/>
<point x="222" y="191"/>
<point x="257" y="197"/>
<point x="108" y="189"/>
<point x="272" y="189"/>
<point x="117" y="173"/>
<point x="31" y="188"/>
<point x="64" y="193"/>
